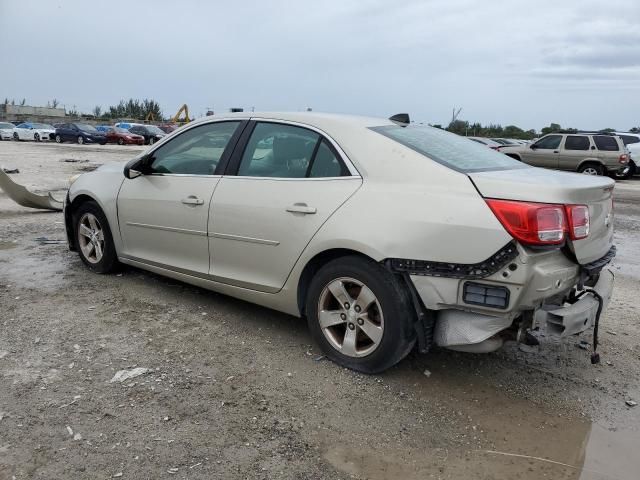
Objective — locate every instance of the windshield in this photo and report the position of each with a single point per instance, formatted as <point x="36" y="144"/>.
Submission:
<point x="6" y="125"/>
<point x="86" y="128"/>
<point x="449" y="149"/>
<point x="154" y="129"/>
<point x="43" y="125"/>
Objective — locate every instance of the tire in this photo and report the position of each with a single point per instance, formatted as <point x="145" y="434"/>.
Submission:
<point x="16" y="137"/>
<point x="591" y="169"/>
<point x="80" y="140"/>
<point x="36" y="137"/>
<point x="151" y="141"/>
<point x="93" y="238"/>
<point x="625" y="176"/>
<point x="58" y="139"/>
<point x="371" y="343"/>
<point x="120" y="141"/>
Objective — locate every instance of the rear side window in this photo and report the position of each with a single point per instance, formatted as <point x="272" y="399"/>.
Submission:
<point x="550" y="142"/>
<point x="606" y="143"/>
<point x="628" y="139"/>
<point x="449" y="149"/>
<point x="575" y="142"/>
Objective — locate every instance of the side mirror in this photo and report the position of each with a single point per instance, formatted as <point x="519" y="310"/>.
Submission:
<point x="135" y="167"/>
<point x="533" y="146"/>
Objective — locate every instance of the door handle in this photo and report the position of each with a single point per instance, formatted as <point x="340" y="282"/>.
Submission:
<point x="302" y="208"/>
<point x="192" y="200"/>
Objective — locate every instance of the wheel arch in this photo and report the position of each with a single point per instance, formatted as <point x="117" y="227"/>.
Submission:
<point x="315" y="264"/>
<point x="69" y="209"/>
<point x="591" y="160"/>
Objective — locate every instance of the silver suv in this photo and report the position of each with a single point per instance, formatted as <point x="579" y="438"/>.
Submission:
<point x="599" y="154"/>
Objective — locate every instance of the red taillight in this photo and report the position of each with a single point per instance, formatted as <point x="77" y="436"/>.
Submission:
<point x="624" y="158"/>
<point x="531" y="223"/>
<point x="578" y="217"/>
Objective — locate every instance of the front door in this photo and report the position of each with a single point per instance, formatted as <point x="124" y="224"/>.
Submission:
<point x="543" y="153"/>
<point x="163" y="214"/>
<point x="289" y="181"/>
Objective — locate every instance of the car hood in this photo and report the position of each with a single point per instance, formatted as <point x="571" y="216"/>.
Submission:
<point x="549" y="186"/>
<point x="111" y="167"/>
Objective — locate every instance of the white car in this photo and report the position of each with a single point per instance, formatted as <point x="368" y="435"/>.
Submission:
<point x="33" y="131"/>
<point x="382" y="234"/>
<point x="6" y="131"/>
<point x="632" y="142"/>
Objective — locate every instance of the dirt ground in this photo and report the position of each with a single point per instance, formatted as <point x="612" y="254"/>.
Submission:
<point x="235" y="391"/>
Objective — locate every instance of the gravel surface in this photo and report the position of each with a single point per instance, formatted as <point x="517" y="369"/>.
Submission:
<point x="225" y="389"/>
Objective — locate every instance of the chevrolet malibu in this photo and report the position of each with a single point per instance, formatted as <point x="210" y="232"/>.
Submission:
<point x="384" y="235"/>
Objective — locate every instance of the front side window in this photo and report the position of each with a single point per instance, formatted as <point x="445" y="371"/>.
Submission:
<point x="550" y="142"/>
<point x="285" y="151"/>
<point x="606" y="143"/>
<point x="577" y="142"/>
<point x="196" y="151"/>
<point x="449" y="149"/>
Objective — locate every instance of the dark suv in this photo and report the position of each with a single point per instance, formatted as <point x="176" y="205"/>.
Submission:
<point x="79" y="133"/>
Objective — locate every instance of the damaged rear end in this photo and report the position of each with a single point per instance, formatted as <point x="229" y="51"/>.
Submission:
<point x="552" y="277"/>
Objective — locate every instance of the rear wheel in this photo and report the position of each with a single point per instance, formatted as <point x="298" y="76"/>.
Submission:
<point x="360" y="314"/>
<point x="120" y="141"/>
<point x="591" y="169"/>
<point x="36" y="137"/>
<point x="151" y="141"/>
<point x="93" y="238"/>
<point x="80" y="140"/>
<point x="58" y="139"/>
<point x="16" y="137"/>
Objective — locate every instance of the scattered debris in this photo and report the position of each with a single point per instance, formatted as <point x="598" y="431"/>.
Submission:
<point x="229" y="378"/>
<point x="172" y="470"/>
<point x="584" y="345"/>
<point x="69" y="430"/>
<point x="117" y="475"/>
<point x="196" y="465"/>
<point x="73" y="160"/>
<point x="3" y="353"/>
<point x="24" y="197"/>
<point x="49" y="241"/>
<point x="7" y="170"/>
<point x="88" y="168"/>
<point x="123" y="375"/>
<point x="289" y="374"/>
<point x="317" y="359"/>
<point x="611" y="332"/>
<point x="77" y="436"/>
<point x="426" y="373"/>
<point x="631" y="403"/>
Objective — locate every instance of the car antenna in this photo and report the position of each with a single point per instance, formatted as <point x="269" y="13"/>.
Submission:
<point x="401" y="119"/>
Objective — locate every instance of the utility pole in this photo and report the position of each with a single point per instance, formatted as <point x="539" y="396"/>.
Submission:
<point x="454" y="114"/>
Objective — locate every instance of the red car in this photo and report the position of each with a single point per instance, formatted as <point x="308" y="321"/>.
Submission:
<point x="123" y="137"/>
<point x="168" y="127"/>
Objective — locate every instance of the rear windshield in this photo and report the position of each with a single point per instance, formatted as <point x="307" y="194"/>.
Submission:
<point x="449" y="149"/>
<point x="606" y="143"/>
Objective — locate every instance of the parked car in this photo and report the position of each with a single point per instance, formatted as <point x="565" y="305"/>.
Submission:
<point x="33" y="131"/>
<point x="103" y="128"/>
<point x="151" y="133"/>
<point x="168" y="127"/>
<point x="79" y="133"/>
<point x="6" y="131"/>
<point x="122" y="136"/>
<point x="416" y="236"/>
<point x="593" y="154"/>
<point x="508" y="142"/>
<point x="127" y="125"/>
<point x="632" y="142"/>
<point x="486" y="141"/>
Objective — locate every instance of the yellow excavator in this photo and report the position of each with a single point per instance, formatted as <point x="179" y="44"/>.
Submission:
<point x="183" y="110"/>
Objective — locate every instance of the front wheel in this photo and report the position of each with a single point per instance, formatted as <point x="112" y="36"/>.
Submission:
<point x="80" y="140"/>
<point x="16" y="137"/>
<point x="120" y="141"/>
<point x="591" y="169"/>
<point x="152" y="141"/>
<point x="360" y="314"/>
<point x="36" y="137"/>
<point x="93" y="238"/>
<point x="58" y="139"/>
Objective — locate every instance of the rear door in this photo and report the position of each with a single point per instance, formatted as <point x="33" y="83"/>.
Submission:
<point x="163" y="214"/>
<point x="609" y="151"/>
<point x="573" y="151"/>
<point x="543" y="153"/>
<point x="285" y="181"/>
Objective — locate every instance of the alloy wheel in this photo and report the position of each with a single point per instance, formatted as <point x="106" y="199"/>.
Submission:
<point x="350" y="317"/>
<point x="15" y="136"/>
<point x="36" y="137"/>
<point x="58" y="139"/>
<point x="590" y="171"/>
<point x="91" y="238"/>
<point x="80" y="140"/>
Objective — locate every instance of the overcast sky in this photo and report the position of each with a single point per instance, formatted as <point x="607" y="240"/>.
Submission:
<point x="528" y="63"/>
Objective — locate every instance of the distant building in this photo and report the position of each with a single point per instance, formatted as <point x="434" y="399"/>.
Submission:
<point x="26" y="112"/>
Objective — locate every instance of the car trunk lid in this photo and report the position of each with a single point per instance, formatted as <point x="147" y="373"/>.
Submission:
<point x="547" y="186"/>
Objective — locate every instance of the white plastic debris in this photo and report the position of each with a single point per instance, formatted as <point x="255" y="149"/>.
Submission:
<point x="69" y="430"/>
<point x="631" y="403"/>
<point x="427" y="373"/>
<point x="124" y="375"/>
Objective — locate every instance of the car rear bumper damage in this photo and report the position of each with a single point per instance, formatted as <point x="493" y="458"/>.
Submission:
<point x="476" y="306"/>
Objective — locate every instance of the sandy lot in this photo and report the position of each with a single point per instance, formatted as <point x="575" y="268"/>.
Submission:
<point x="236" y="391"/>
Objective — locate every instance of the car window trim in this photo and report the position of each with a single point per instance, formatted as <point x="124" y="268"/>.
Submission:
<point x="345" y="163"/>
